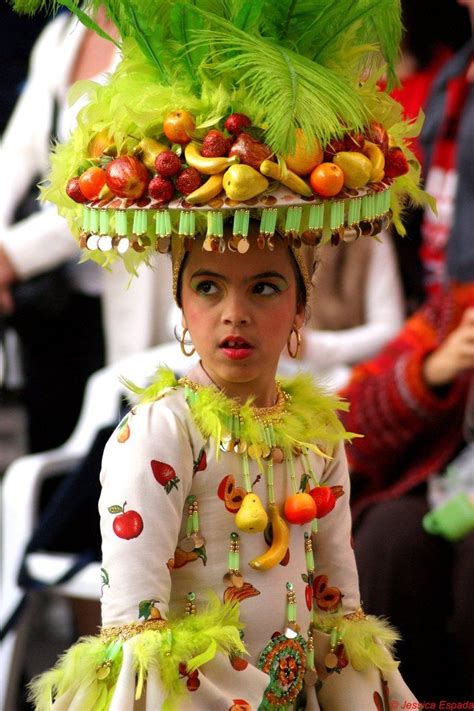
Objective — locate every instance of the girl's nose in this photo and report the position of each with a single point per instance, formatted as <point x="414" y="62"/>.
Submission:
<point x="234" y="311"/>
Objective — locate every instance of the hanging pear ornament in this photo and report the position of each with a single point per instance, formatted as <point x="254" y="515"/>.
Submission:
<point x="251" y="517"/>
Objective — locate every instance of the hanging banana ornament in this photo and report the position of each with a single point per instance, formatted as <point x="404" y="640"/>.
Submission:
<point x="280" y="542"/>
<point x="280" y="531"/>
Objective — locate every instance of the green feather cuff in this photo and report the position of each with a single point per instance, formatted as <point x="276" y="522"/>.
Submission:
<point x="92" y="666"/>
<point x="368" y="640"/>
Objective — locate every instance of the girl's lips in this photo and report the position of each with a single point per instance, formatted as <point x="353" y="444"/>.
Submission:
<point x="237" y="353"/>
<point x="235" y="348"/>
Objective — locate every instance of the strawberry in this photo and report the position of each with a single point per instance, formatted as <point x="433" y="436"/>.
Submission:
<point x="188" y="181"/>
<point x="201" y="462"/>
<point x="167" y="164"/>
<point x="396" y="163"/>
<point x="161" y="189"/>
<point x="236" y="122"/>
<point x="215" y="144"/>
<point x="164" y="475"/>
<point x="73" y="189"/>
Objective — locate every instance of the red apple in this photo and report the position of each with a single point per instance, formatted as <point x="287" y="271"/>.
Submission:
<point x="127" y="177"/>
<point x="250" y="151"/>
<point x="378" y="135"/>
<point x="74" y="191"/>
<point x="129" y="524"/>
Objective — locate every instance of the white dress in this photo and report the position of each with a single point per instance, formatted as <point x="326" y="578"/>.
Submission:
<point x="156" y="459"/>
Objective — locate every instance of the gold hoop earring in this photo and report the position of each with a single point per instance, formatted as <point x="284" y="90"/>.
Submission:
<point x="182" y="344"/>
<point x="294" y="354"/>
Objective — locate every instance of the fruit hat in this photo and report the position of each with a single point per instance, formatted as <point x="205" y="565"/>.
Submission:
<point x="226" y="110"/>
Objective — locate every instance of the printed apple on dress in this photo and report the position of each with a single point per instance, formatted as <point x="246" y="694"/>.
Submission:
<point x="129" y="524"/>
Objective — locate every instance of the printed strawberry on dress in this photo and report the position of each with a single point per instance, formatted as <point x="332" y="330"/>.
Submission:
<point x="164" y="475"/>
<point x="201" y="462"/>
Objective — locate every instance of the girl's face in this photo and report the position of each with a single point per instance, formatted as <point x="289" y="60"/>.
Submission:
<point x="240" y="309"/>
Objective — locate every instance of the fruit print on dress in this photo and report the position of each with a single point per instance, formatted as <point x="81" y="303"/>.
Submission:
<point x="148" y="610"/>
<point x="240" y="705"/>
<point x="164" y="475"/>
<point x="104" y="576"/>
<point x="123" y="430"/>
<point x="383" y="704"/>
<point x="128" y="524"/>
<point x="192" y="678"/>
<point x="238" y="663"/>
<point x="230" y="494"/>
<point x="241" y="593"/>
<point x="182" y="558"/>
<point x="327" y="598"/>
<point x="201" y="462"/>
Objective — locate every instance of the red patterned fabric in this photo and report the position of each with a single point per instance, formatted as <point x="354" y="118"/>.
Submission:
<point x="410" y="432"/>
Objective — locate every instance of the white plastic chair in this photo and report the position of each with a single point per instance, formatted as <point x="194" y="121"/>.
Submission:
<point x="21" y="489"/>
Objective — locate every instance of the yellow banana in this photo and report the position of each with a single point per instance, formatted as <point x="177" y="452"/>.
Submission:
<point x="207" y="166"/>
<point x="206" y="192"/>
<point x="377" y="158"/>
<point x="280" y="542"/>
<point x="288" y="178"/>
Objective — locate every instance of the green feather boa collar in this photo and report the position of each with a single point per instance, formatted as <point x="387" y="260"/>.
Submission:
<point x="308" y="419"/>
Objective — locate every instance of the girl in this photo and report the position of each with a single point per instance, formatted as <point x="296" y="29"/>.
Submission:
<point x="195" y="483"/>
<point x="228" y="575"/>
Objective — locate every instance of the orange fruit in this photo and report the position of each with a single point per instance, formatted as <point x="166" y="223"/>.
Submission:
<point x="327" y="179"/>
<point x="91" y="182"/>
<point x="306" y="156"/>
<point x="179" y="126"/>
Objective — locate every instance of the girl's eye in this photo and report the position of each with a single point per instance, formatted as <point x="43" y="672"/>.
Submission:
<point x="206" y="287"/>
<point x="266" y="288"/>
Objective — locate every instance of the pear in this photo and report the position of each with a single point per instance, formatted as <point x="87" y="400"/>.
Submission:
<point x="147" y="150"/>
<point x="251" y="517"/>
<point x="99" y="144"/>
<point x="242" y="182"/>
<point x="356" y="167"/>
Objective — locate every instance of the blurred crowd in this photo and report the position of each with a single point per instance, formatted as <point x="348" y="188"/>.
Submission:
<point x="391" y="328"/>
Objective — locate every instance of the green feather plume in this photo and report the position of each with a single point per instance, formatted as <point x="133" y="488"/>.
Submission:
<point x="367" y="642"/>
<point x="163" y="380"/>
<point x="295" y="92"/>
